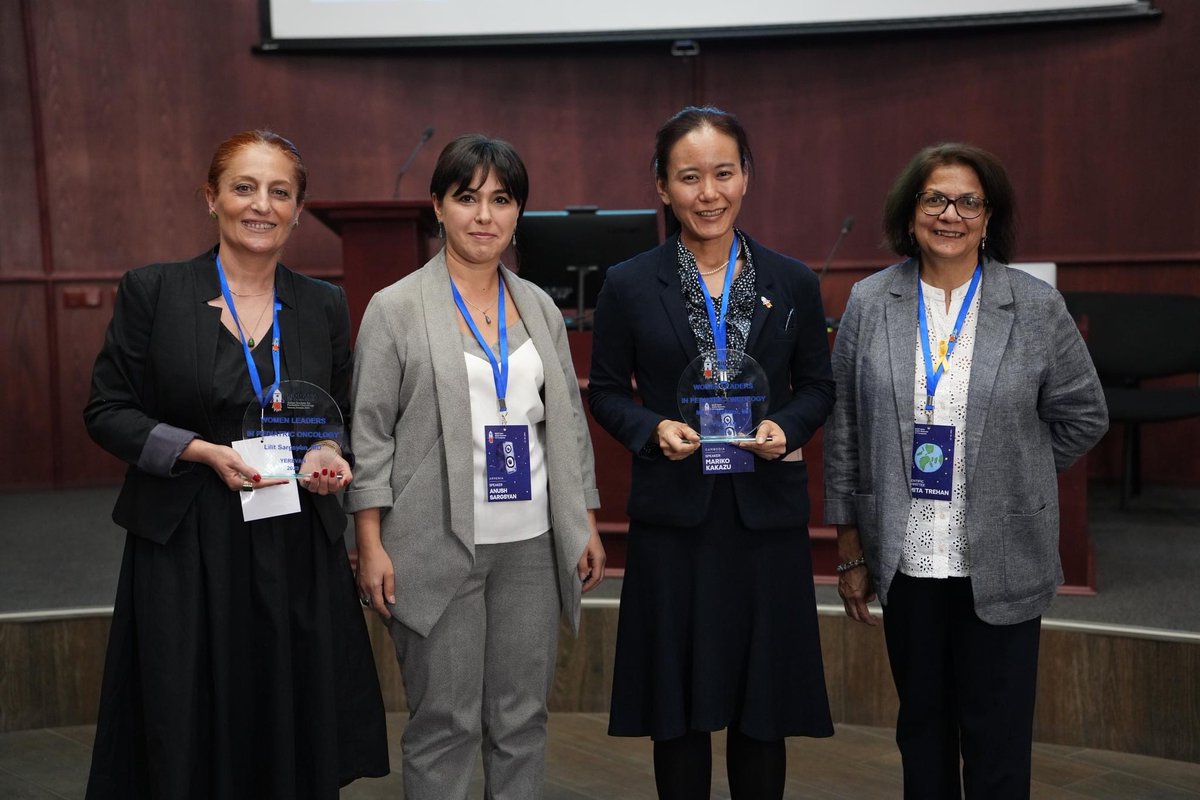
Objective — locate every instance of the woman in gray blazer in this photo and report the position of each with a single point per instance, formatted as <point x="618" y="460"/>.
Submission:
<point x="474" y="486"/>
<point x="963" y="386"/>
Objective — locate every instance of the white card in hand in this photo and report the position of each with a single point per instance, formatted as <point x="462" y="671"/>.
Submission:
<point x="270" y="455"/>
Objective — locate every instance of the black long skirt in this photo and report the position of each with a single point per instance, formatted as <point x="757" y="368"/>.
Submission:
<point x="718" y="629"/>
<point x="238" y="664"/>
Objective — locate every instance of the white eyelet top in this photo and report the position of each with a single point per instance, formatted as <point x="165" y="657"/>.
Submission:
<point x="935" y="540"/>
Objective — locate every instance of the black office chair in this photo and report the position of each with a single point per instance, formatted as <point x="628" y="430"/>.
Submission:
<point x="1132" y="337"/>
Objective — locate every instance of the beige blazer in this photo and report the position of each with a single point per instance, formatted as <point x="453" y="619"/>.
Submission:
<point x="411" y="437"/>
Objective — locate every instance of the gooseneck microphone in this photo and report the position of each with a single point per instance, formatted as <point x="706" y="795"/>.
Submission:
<point x="847" y="224"/>
<point x="426" y="135"/>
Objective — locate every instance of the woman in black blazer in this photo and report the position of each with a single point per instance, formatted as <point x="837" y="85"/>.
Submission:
<point x="238" y="663"/>
<point x="718" y="621"/>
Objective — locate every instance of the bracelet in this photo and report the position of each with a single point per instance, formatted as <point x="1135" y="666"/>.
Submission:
<point x="846" y="566"/>
<point x="317" y="445"/>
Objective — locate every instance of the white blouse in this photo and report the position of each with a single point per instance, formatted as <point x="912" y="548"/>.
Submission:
<point x="498" y="523"/>
<point x="935" y="540"/>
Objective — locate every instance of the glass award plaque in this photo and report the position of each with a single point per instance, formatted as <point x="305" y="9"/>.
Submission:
<point x="291" y="418"/>
<point x="724" y="395"/>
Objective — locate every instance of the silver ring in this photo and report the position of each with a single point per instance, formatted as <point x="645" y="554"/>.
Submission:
<point x="247" y="486"/>
<point x="366" y="602"/>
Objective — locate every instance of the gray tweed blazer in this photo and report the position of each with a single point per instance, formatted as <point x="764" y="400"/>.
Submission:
<point x="1034" y="406"/>
<point x="412" y="442"/>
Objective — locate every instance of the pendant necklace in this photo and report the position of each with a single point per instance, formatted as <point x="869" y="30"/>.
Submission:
<point x="250" y="341"/>
<point x="486" y="317"/>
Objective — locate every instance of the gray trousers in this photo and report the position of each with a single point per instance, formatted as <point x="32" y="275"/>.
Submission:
<point x="482" y="677"/>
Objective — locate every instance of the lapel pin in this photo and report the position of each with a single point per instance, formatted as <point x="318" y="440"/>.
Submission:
<point x="766" y="303"/>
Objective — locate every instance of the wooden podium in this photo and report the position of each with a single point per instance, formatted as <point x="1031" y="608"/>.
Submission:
<point x="382" y="241"/>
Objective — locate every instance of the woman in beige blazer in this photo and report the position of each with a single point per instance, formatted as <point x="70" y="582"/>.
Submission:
<point x="471" y="589"/>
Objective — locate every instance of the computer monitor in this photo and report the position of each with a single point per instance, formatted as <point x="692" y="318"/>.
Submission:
<point x="567" y="252"/>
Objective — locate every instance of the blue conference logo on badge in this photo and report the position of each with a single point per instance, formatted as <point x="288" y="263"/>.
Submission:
<point x="929" y="457"/>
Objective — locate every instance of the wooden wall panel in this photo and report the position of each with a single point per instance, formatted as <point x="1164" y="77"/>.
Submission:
<point x="1100" y="691"/>
<point x="1095" y="121"/>
<point x="25" y="359"/>
<point x="51" y="672"/>
<point x="81" y="329"/>
<point x="25" y="364"/>
<point x="125" y="156"/>
<point x="1116" y="693"/>
<point x="20" y="248"/>
<point x="134" y="97"/>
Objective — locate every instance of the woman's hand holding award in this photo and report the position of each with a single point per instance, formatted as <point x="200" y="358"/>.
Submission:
<point x="294" y="426"/>
<point x="724" y="395"/>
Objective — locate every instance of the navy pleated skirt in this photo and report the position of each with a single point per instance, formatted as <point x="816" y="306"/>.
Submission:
<point x="718" y="629"/>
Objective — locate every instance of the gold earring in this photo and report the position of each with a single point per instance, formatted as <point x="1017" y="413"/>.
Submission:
<point x="212" y="213"/>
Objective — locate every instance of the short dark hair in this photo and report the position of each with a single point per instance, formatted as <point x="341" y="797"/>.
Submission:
<point x="686" y="120"/>
<point x="693" y="118"/>
<point x="472" y="152"/>
<point x="901" y="201"/>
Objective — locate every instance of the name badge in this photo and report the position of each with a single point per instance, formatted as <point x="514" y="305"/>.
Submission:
<point x="507" y="448"/>
<point x="933" y="462"/>
<point x="725" y="418"/>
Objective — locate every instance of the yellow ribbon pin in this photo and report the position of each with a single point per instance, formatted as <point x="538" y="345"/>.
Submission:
<point x="942" y="360"/>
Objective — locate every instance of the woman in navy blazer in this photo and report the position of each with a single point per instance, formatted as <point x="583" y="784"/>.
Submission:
<point x="718" y="621"/>
<point x="238" y="663"/>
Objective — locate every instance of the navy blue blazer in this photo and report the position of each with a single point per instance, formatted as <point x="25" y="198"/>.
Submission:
<point x="156" y="365"/>
<point x="642" y="331"/>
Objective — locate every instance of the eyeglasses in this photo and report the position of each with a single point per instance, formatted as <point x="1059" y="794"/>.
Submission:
<point x="968" y="206"/>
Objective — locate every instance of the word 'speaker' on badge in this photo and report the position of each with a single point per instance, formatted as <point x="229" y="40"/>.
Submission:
<point x="507" y="449"/>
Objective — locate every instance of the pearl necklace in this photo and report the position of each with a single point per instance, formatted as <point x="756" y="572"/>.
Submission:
<point x="715" y="270"/>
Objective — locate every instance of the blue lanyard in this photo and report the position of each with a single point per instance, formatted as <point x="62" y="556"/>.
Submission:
<point x="934" y="376"/>
<point x="720" y="326"/>
<point x="250" y="365"/>
<point x="499" y="368"/>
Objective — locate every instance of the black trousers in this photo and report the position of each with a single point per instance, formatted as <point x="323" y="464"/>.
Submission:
<point x="966" y="688"/>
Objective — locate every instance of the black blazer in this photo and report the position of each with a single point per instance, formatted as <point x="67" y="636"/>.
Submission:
<point x="156" y="365"/>
<point x="641" y="330"/>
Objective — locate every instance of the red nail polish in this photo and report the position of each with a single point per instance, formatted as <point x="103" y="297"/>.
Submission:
<point x="256" y="477"/>
<point x="324" y="472"/>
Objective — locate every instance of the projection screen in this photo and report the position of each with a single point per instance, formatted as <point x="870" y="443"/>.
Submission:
<point x="325" y="24"/>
